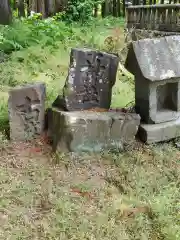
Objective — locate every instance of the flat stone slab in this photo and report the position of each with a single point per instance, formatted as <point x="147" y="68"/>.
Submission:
<point x="26" y="111"/>
<point x="153" y="133"/>
<point x="85" y="131"/>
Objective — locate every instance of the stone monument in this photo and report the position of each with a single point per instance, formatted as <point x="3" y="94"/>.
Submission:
<point x="80" y="120"/>
<point x="91" y="77"/>
<point x="26" y="111"/>
<point x="155" y="65"/>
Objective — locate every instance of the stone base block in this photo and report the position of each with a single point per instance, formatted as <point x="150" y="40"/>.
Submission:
<point x="153" y="133"/>
<point x="84" y="131"/>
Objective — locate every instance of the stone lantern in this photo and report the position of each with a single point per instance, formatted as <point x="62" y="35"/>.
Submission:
<point x="155" y="65"/>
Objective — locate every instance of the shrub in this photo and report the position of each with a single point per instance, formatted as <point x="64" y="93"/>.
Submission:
<point x="79" y="10"/>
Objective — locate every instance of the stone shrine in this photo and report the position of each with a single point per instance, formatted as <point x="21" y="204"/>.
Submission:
<point x="91" y="77"/>
<point x="26" y="111"/>
<point x="155" y="65"/>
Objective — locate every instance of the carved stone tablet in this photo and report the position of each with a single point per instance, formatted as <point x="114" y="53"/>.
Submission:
<point x="26" y="111"/>
<point x="91" y="77"/>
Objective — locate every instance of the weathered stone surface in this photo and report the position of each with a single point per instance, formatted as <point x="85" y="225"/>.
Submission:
<point x="26" y="111"/>
<point x="154" y="62"/>
<point x="153" y="133"/>
<point x="91" y="131"/>
<point x="138" y="34"/>
<point x="157" y="58"/>
<point x="91" y="77"/>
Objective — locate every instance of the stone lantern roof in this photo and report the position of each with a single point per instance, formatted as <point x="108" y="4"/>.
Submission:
<point x="156" y="59"/>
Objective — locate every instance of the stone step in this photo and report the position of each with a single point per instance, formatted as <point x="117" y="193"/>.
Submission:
<point x="153" y="133"/>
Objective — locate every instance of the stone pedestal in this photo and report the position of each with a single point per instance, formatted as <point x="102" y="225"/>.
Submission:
<point x="26" y="111"/>
<point x="80" y="131"/>
<point x="153" y="133"/>
<point x="91" y="77"/>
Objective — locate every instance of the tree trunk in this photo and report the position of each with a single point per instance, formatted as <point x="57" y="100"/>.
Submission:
<point x="21" y="9"/>
<point x="47" y="7"/>
<point x="118" y="8"/>
<point x="105" y="8"/>
<point x="50" y="7"/>
<point x="33" y="5"/>
<point x="61" y="5"/>
<point x="5" y="12"/>
<point x="95" y="10"/>
<point x="110" y="8"/>
<point x="124" y="8"/>
<point x="41" y="8"/>
<point x="37" y="6"/>
<point x="114" y="8"/>
<point x="14" y="5"/>
<point x="28" y="7"/>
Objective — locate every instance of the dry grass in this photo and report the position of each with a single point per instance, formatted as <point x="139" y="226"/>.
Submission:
<point x="134" y="195"/>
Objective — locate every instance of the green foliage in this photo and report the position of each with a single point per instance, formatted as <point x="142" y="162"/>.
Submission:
<point x="28" y="32"/>
<point x="32" y="31"/>
<point x="79" y="10"/>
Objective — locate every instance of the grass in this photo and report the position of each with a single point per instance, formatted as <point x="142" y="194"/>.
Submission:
<point x="128" y="196"/>
<point x="133" y="195"/>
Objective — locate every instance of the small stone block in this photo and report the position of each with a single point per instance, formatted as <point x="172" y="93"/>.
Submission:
<point x="84" y="131"/>
<point x="153" y="133"/>
<point x="26" y="111"/>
